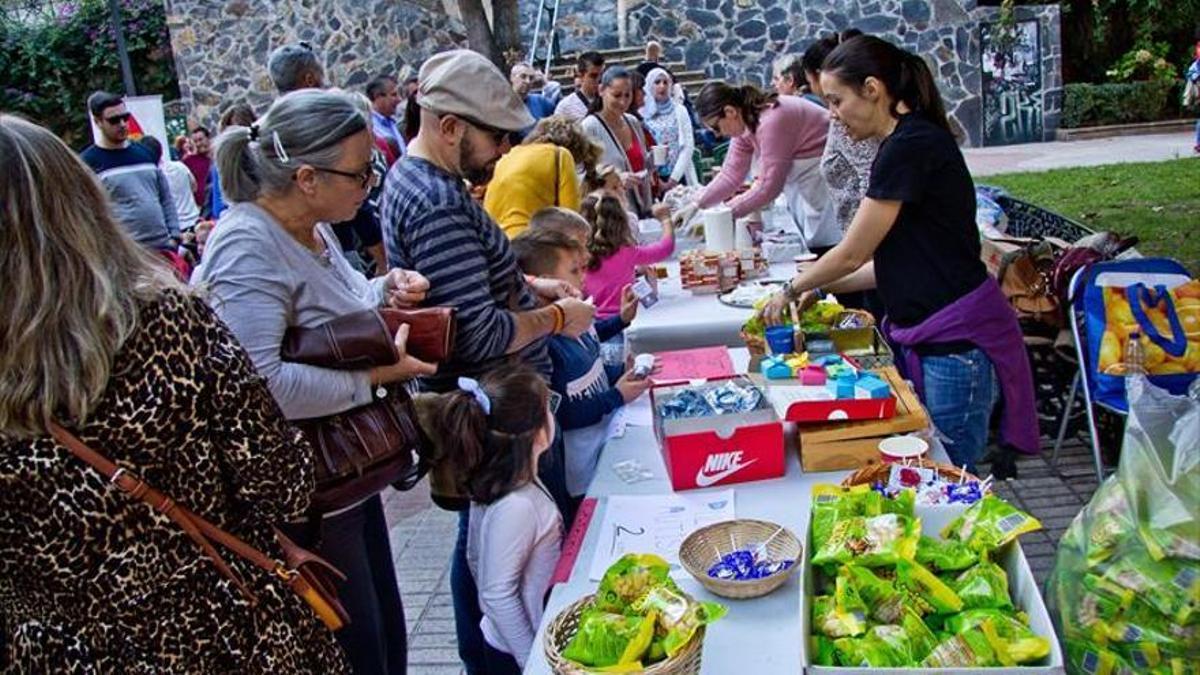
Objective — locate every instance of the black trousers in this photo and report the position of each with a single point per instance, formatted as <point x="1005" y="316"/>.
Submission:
<point x="356" y="542"/>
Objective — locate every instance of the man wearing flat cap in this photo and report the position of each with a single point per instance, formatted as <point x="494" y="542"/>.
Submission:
<point x="432" y="225"/>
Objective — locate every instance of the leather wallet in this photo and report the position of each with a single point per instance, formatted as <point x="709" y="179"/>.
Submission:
<point x="430" y="330"/>
<point x="354" y="341"/>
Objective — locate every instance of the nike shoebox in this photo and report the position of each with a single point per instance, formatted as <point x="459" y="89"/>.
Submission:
<point x="702" y="452"/>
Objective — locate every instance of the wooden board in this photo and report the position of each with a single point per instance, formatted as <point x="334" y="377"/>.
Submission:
<point x="851" y="445"/>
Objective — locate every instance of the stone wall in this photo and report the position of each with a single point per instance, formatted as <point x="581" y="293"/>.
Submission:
<point x="221" y="46"/>
<point x="738" y="40"/>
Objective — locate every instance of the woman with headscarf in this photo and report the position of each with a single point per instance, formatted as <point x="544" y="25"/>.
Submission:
<point x="671" y="126"/>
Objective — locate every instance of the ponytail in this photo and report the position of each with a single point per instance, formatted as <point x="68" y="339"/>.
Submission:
<point x="905" y="75"/>
<point x="237" y="165"/>
<point x="748" y="99"/>
<point x="491" y="450"/>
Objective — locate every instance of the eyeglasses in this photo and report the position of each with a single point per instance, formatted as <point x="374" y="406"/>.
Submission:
<point x="118" y="119"/>
<point x="498" y="136"/>
<point x="366" y="179"/>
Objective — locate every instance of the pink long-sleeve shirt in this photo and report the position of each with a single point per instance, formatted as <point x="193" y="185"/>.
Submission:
<point x="604" y="285"/>
<point x="793" y="129"/>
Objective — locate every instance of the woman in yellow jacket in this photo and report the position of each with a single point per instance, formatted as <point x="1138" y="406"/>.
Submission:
<point x="545" y="170"/>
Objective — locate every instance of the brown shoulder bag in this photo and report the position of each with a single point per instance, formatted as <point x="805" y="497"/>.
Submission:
<point x="307" y="574"/>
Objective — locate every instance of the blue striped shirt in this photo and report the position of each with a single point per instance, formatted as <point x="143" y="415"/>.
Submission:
<point x="431" y="225"/>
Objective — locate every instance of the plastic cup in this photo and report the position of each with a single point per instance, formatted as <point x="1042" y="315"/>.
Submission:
<point x="660" y="154"/>
<point x="781" y="339"/>
<point x="897" y="449"/>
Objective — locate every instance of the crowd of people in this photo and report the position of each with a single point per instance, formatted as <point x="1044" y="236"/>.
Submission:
<point x="461" y="188"/>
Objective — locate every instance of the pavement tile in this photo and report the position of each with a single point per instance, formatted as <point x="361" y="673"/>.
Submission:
<point x="416" y="669"/>
<point x="434" y="656"/>
<point x="435" y="626"/>
<point x="433" y="641"/>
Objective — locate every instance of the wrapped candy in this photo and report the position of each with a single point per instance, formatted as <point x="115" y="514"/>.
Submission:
<point x="707" y="400"/>
<point x="743" y="565"/>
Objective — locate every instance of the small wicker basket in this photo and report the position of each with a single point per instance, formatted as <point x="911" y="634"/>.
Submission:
<point x="878" y="473"/>
<point x="566" y="624"/>
<point x="704" y="547"/>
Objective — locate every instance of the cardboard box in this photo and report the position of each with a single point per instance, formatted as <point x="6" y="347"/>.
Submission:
<point x="844" y="445"/>
<point x="994" y="250"/>
<point x="706" y="452"/>
<point x="1021" y="585"/>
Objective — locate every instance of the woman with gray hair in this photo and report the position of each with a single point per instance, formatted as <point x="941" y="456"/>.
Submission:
<point x="274" y="263"/>
<point x="101" y="338"/>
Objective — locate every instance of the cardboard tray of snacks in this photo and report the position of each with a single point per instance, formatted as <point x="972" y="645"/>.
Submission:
<point x="1022" y="586"/>
<point x="835" y="446"/>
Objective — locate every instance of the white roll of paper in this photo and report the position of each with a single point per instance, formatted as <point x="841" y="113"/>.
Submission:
<point x="741" y="235"/>
<point x="718" y="229"/>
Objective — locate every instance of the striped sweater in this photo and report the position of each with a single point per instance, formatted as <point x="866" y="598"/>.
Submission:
<point x="431" y="225"/>
<point x="139" y="193"/>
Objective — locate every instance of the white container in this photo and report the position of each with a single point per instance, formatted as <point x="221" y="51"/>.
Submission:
<point x="1021" y="585"/>
<point x="660" y="154"/>
<point x="718" y="229"/>
<point x="741" y="235"/>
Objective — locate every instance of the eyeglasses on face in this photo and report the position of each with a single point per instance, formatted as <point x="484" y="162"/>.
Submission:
<point x="366" y="179"/>
<point x="114" y="120"/>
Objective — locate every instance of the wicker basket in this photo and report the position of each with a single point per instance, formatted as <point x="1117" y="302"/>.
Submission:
<point x="704" y="547"/>
<point x="563" y="628"/>
<point x="878" y="473"/>
<point x="867" y="317"/>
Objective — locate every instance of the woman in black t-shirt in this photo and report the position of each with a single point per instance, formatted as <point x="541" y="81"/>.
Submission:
<point x="914" y="239"/>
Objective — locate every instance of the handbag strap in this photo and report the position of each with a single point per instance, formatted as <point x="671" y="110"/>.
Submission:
<point x="557" y="159"/>
<point x="200" y="530"/>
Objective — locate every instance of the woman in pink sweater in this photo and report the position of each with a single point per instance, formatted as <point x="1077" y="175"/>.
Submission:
<point x="787" y="135"/>
<point x="615" y="254"/>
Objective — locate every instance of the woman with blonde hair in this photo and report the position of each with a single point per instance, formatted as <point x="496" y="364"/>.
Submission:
<point x="99" y="337"/>
<point x="545" y="170"/>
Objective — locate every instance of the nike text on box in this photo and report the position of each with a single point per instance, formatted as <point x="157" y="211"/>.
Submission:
<point x="719" y="450"/>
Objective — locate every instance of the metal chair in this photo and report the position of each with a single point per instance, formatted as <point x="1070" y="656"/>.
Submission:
<point x="1163" y="269"/>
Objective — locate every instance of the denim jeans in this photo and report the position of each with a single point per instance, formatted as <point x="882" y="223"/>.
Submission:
<point x="356" y="542"/>
<point x="960" y="391"/>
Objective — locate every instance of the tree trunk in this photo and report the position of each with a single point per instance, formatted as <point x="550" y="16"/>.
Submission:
<point x="506" y="28"/>
<point x="479" y="33"/>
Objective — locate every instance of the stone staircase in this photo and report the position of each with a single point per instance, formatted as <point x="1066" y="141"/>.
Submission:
<point x="562" y="69"/>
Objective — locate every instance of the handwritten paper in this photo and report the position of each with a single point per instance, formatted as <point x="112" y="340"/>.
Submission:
<point x="693" y="364"/>
<point x="655" y="524"/>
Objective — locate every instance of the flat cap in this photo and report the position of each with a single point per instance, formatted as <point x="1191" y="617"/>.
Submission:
<point x="464" y="83"/>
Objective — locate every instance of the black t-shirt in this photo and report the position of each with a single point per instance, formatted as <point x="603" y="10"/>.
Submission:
<point x="931" y="256"/>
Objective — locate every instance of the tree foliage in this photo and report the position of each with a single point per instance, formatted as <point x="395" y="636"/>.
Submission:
<point x="54" y="58"/>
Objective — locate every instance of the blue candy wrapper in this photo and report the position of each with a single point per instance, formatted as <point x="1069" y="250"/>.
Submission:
<point x="741" y="565"/>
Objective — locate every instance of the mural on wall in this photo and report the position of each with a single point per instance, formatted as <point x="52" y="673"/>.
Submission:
<point x="1012" y="83"/>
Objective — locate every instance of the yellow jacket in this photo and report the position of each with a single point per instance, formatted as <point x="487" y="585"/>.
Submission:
<point x="524" y="183"/>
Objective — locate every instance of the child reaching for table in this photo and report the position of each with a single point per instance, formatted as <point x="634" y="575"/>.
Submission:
<point x="590" y="390"/>
<point x="615" y="253"/>
<point x="493" y="431"/>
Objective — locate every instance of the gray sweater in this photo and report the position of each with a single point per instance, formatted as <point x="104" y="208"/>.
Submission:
<point x="138" y="191"/>
<point x="261" y="281"/>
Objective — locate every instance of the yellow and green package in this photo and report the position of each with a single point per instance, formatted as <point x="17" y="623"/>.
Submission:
<point x="932" y="595"/>
<point x="832" y="503"/>
<point x="828" y="620"/>
<point x="973" y="648"/>
<point x="943" y="555"/>
<point x="823" y="651"/>
<point x="678" y="615"/>
<point x="1112" y="523"/>
<point x="883" y="600"/>
<point x="871" y="542"/>
<point x="1084" y="657"/>
<point x="630" y="578"/>
<point x="903" y="503"/>
<point x="889" y="645"/>
<point x="605" y="640"/>
<point x="1170" y="586"/>
<point x="983" y="586"/>
<point x="990" y="523"/>
<point x="1022" y="645"/>
<point x="845" y="595"/>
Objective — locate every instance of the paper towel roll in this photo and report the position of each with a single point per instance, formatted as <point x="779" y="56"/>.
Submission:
<point x="741" y="235"/>
<point x="718" y="229"/>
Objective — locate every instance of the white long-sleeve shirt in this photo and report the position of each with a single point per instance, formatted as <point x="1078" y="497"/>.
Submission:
<point x="513" y="546"/>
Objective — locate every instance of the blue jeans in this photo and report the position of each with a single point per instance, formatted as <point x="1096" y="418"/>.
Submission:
<point x="960" y="391"/>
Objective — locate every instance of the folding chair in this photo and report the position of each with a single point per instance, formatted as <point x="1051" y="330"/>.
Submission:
<point x="1164" y="271"/>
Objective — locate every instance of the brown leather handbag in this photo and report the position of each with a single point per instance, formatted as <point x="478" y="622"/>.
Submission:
<point x="430" y="331"/>
<point x="307" y="574"/>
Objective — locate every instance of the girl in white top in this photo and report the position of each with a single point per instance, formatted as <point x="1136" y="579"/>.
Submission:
<point x="494" y="431"/>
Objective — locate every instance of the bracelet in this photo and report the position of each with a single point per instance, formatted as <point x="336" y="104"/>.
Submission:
<point x="560" y="319"/>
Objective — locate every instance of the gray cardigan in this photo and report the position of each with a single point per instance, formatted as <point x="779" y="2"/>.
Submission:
<point x="596" y="129"/>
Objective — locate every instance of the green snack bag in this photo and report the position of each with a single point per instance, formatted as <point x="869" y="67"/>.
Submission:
<point x="845" y="595"/>
<point x="823" y="650"/>
<point x="944" y="556"/>
<point x="1022" y="645"/>
<point x="1112" y="522"/>
<point x="1170" y="586"/>
<point x="828" y="621"/>
<point x="678" y="615"/>
<point x="1084" y="657"/>
<point x="931" y="593"/>
<point x="630" y="578"/>
<point x="990" y="523"/>
<point x="876" y="541"/>
<point x="604" y="640"/>
<point x="883" y="601"/>
<point x="849" y="652"/>
<point x="902" y="504"/>
<point x="984" y="586"/>
<point x="832" y="503"/>
<point x="973" y="648"/>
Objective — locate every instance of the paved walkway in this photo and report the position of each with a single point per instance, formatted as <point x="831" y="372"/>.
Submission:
<point x="1057" y="155"/>
<point x="422" y="537"/>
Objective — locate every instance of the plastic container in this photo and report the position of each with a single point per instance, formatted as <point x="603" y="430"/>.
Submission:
<point x="781" y="339"/>
<point x="897" y="449"/>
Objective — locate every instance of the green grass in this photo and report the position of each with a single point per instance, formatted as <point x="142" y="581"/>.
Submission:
<point x="1159" y="202"/>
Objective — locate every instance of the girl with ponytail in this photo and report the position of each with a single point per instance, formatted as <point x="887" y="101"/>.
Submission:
<point x="913" y="238"/>
<point x="787" y="133"/>
<point x="492" y="432"/>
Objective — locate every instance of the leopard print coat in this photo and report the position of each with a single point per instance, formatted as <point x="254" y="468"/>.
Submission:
<point x="94" y="581"/>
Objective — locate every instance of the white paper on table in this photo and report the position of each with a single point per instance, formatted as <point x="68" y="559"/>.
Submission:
<point x="639" y="413"/>
<point x="783" y="397"/>
<point x="655" y="524"/>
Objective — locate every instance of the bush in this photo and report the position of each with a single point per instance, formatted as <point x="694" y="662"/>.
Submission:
<point x="1089" y="105"/>
<point x="52" y="61"/>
